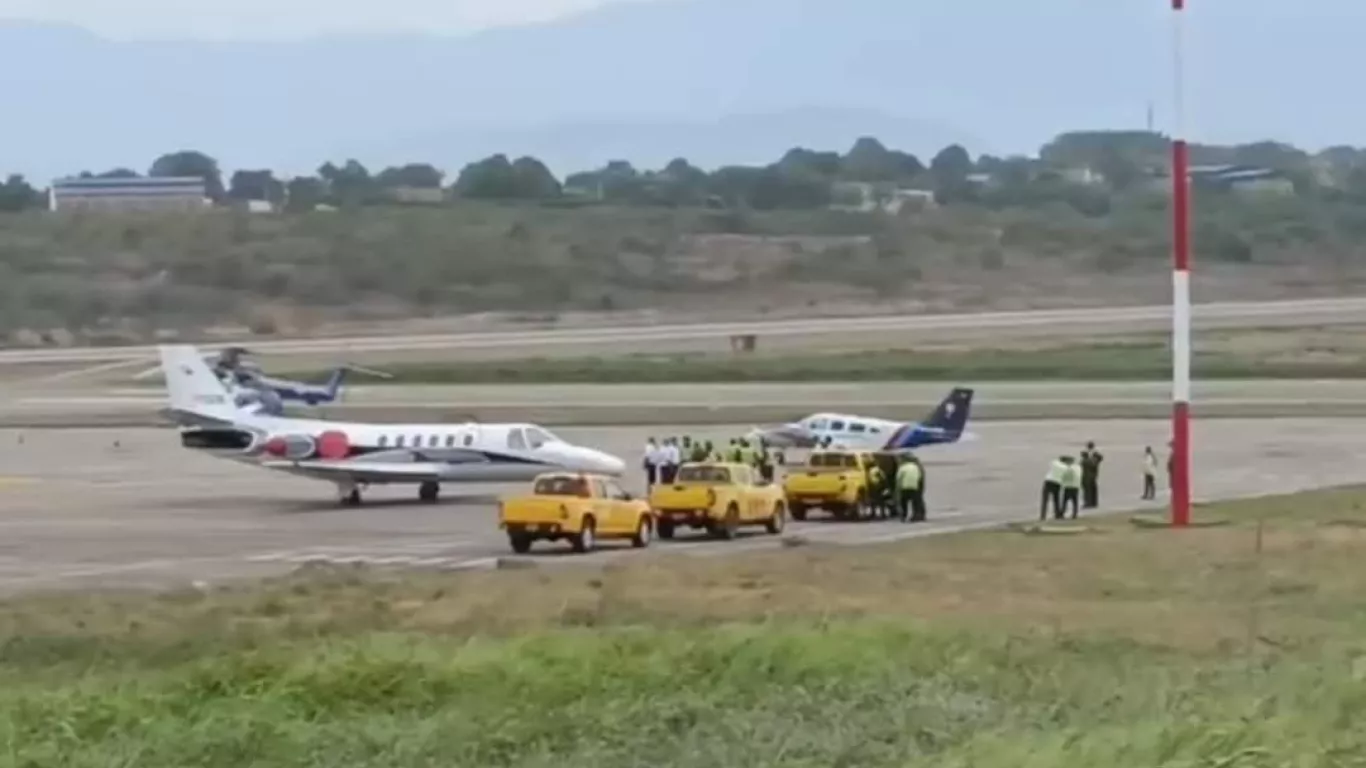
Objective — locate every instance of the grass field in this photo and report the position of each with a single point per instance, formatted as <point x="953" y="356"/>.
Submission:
<point x="1257" y="354"/>
<point x="1238" y="645"/>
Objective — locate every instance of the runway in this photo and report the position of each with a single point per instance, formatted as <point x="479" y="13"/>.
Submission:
<point x="625" y="404"/>
<point x="78" y="511"/>
<point x="548" y="340"/>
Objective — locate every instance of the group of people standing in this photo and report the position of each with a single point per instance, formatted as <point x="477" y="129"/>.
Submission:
<point x="1070" y="480"/>
<point x="662" y="459"/>
<point x="1072" y="483"/>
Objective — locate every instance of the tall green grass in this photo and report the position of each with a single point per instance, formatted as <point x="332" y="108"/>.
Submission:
<point x="805" y="694"/>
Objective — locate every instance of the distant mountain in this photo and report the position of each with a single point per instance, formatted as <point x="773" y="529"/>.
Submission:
<point x="716" y="80"/>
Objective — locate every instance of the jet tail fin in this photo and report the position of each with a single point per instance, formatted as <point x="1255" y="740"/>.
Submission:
<point x="195" y="392"/>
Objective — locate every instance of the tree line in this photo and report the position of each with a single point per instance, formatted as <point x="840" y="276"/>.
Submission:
<point x="1121" y="161"/>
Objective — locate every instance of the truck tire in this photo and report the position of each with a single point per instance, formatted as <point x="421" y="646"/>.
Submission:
<point x="665" y="530"/>
<point x="520" y="542"/>
<point x="778" y="521"/>
<point x="643" y="534"/>
<point x="728" y="526"/>
<point x="587" y="537"/>
<point x="798" y="512"/>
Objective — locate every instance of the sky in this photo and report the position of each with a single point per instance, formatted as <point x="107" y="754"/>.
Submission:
<point x="284" y="19"/>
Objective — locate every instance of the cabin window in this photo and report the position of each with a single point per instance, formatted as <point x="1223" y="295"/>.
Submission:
<point x="398" y="441"/>
<point x="417" y="441"/>
<point x="450" y="441"/>
<point x="433" y="441"/>
<point x="383" y="440"/>
<point x="858" y="427"/>
<point x="836" y="426"/>
<point x="516" y="440"/>
<point x="817" y="424"/>
<point x="469" y="440"/>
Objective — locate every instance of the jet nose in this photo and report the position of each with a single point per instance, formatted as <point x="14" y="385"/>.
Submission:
<point x="609" y="464"/>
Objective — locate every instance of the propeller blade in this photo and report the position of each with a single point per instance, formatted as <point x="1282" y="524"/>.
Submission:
<point x="368" y="371"/>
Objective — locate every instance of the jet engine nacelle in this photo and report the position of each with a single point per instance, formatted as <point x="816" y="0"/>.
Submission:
<point x="220" y="440"/>
<point x="329" y="445"/>
<point x="292" y="447"/>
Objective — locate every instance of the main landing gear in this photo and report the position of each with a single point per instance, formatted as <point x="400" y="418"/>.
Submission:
<point x="350" y="495"/>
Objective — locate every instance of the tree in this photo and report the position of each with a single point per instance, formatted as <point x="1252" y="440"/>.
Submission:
<point x="681" y="183"/>
<point x="187" y="163"/>
<point x="118" y="173"/>
<point x="950" y="169"/>
<point x="417" y="175"/>
<point x="497" y="178"/>
<point x="16" y="194"/>
<point x="304" y="193"/>
<point x="533" y="180"/>
<point x="803" y="160"/>
<point x="256" y="185"/>
<point x="868" y="160"/>
<point x="349" y="184"/>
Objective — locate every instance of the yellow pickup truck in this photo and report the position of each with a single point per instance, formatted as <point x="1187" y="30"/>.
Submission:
<point x="835" y="481"/>
<point x="578" y="507"/>
<point x="720" y="497"/>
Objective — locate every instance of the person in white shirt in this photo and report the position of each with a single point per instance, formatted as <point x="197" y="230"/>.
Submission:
<point x="650" y="462"/>
<point x="672" y="458"/>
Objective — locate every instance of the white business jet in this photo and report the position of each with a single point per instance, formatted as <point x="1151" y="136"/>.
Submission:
<point x="355" y="456"/>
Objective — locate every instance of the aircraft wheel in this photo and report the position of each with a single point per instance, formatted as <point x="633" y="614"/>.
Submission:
<point x="352" y="499"/>
<point x="428" y="492"/>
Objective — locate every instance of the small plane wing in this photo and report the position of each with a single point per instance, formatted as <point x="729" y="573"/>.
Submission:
<point x="362" y="471"/>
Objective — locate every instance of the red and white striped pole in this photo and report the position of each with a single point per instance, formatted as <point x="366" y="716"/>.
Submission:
<point x="1181" y="291"/>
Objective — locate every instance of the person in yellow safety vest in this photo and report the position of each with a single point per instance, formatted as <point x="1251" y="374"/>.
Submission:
<point x="877" y="491"/>
<point x="1149" y="474"/>
<point x="1052" y="489"/>
<point x="1071" y="486"/>
<point x="910" y="479"/>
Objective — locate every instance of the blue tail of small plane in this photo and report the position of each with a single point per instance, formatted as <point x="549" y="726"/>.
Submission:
<point x="945" y="424"/>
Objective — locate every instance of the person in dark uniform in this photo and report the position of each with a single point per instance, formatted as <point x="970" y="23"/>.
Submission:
<point x="1090" y="476"/>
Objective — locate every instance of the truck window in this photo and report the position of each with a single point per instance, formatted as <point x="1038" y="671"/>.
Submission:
<point x="561" y="485"/>
<point x="614" y="491"/>
<point x="833" y="460"/>
<point x="703" y="473"/>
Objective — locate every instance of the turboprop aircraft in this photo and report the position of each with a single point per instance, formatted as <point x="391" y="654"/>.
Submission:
<point x="354" y="456"/>
<point x="944" y="424"/>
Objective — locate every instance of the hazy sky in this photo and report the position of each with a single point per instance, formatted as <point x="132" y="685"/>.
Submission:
<point x="259" y="19"/>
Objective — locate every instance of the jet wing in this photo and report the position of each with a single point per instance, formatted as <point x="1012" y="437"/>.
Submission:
<point x="408" y="466"/>
<point x="363" y="471"/>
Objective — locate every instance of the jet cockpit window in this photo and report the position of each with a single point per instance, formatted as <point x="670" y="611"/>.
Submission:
<point x="538" y="437"/>
<point x="516" y="439"/>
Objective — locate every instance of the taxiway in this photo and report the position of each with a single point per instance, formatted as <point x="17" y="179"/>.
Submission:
<point x="87" y="508"/>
